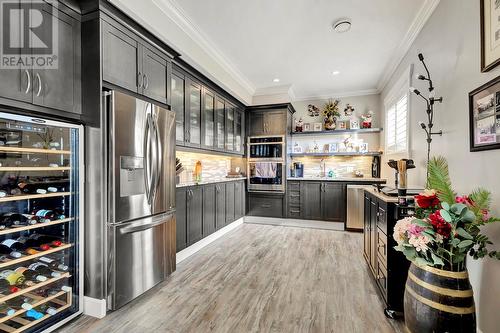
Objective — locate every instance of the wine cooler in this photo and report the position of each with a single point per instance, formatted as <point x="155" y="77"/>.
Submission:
<point x="41" y="200"/>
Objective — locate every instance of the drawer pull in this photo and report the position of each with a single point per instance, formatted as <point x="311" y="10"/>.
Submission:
<point x="294" y="211"/>
<point x="266" y="206"/>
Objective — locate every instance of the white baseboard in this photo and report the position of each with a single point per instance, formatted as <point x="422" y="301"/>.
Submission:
<point x="94" y="307"/>
<point x="189" y="251"/>
<point x="339" y="226"/>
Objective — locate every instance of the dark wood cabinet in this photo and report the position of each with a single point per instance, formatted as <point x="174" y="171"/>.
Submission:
<point x="239" y="131"/>
<point x="209" y="209"/>
<point x="265" y="204"/>
<point x="220" y="124"/>
<point x="268" y="122"/>
<point x="208" y="120"/>
<point x="334" y="202"/>
<point x="229" y="127"/>
<point x="312" y="205"/>
<point x="239" y="199"/>
<point x="132" y="64"/>
<point x="220" y="201"/>
<point x="193" y="113"/>
<point x="229" y="202"/>
<point x="256" y="123"/>
<point x="319" y="200"/>
<point x="195" y="214"/>
<point x="181" y="218"/>
<point x="294" y="200"/>
<point x="178" y="94"/>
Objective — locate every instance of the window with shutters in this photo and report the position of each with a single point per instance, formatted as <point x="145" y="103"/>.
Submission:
<point x="397" y="116"/>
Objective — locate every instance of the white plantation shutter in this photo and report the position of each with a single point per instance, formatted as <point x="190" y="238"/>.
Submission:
<point x="397" y="125"/>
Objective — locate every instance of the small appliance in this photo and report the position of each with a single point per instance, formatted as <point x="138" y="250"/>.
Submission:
<point x="298" y="168"/>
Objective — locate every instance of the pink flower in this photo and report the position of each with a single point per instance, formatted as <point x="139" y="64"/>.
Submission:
<point x="463" y="200"/>
<point x="486" y="215"/>
<point x="419" y="243"/>
<point x="415" y="230"/>
<point x="401" y="228"/>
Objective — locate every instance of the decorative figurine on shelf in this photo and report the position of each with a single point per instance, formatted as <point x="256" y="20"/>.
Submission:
<point x="297" y="148"/>
<point x="313" y="110"/>
<point x="315" y="148"/>
<point x="299" y="125"/>
<point x="367" y="119"/>
<point x="349" y="110"/>
<point x="354" y="124"/>
<point x="331" y="113"/>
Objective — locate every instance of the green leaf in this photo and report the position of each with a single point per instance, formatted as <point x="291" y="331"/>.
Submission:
<point x="464" y="233"/>
<point x="439" y="179"/>
<point x="445" y="205"/>
<point x="422" y="262"/>
<point x="481" y="199"/>
<point x="437" y="260"/>
<point x="455" y="242"/>
<point x="469" y="217"/>
<point x="458" y="208"/>
<point x="410" y="252"/>
<point x="465" y="243"/>
<point x="399" y="248"/>
<point x="421" y="223"/>
<point x="446" y="216"/>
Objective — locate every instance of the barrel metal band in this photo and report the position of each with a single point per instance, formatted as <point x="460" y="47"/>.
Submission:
<point x="449" y="274"/>
<point x="439" y="306"/>
<point x="440" y="290"/>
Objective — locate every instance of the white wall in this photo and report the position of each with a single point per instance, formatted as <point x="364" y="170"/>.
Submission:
<point x="450" y="42"/>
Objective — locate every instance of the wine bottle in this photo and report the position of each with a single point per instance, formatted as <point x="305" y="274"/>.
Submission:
<point x="33" y="245"/>
<point x="6" y="310"/>
<point x="56" y="214"/>
<point x="54" y="264"/>
<point x="30" y="274"/>
<point x="37" y="240"/>
<point x="28" y="188"/>
<point x="45" y="308"/>
<point x="43" y="269"/>
<point x="13" y="277"/>
<point x="19" y="303"/>
<point x="5" y="248"/>
<point x="6" y="287"/>
<point x="8" y="220"/>
<point x="32" y="315"/>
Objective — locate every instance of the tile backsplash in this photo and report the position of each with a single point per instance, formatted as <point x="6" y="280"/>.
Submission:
<point x="342" y="166"/>
<point x="213" y="166"/>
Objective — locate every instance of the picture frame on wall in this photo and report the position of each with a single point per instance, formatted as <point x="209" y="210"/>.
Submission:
<point x="307" y="127"/>
<point x="490" y="34"/>
<point x="484" y="116"/>
<point x="317" y="127"/>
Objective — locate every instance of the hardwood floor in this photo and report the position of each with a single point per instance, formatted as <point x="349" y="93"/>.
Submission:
<point x="260" y="278"/>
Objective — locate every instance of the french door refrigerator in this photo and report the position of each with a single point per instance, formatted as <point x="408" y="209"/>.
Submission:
<point x="41" y="223"/>
<point x="141" y="200"/>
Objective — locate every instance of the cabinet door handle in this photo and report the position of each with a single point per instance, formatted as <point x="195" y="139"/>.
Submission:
<point x="28" y="81"/>
<point x="146" y="81"/>
<point x="266" y="206"/>
<point x="140" y="80"/>
<point x="39" y="84"/>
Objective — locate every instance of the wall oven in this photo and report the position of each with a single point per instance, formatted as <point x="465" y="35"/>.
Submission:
<point x="266" y="164"/>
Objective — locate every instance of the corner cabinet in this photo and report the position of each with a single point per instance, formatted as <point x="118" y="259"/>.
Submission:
<point x="133" y="64"/>
<point x="203" y="209"/>
<point x="46" y="87"/>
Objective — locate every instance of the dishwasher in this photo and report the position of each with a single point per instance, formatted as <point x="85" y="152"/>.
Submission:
<point x="355" y="207"/>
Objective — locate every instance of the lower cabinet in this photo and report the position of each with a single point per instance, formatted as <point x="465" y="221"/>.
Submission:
<point x="203" y="209"/>
<point x="265" y="204"/>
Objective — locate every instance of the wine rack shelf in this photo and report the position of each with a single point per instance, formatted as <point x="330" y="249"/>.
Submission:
<point x="39" y="301"/>
<point x="34" y="256"/>
<point x="34" y="226"/>
<point x="28" y="324"/>
<point x="34" y="151"/>
<point x="35" y="168"/>
<point x="4" y="298"/>
<point x="34" y="196"/>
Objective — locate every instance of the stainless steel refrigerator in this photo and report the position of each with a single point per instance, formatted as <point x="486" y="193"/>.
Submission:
<point x="141" y="198"/>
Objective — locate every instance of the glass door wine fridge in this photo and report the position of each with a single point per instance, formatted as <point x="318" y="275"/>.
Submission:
<point x="41" y="193"/>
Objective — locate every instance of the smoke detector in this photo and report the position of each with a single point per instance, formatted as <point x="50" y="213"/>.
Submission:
<point x="342" y="25"/>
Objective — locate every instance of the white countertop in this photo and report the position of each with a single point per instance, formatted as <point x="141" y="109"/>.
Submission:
<point x="211" y="181"/>
<point x="342" y="179"/>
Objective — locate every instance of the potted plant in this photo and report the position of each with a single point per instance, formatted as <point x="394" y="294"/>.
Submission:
<point x="437" y="240"/>
<point x="331" y="112"/>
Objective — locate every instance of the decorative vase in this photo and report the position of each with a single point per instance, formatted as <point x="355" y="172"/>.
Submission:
<point x="437" y="301"/>
<point x="330" y="123"/>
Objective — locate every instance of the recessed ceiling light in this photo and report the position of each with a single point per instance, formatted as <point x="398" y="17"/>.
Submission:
<point x="335" y="73"/>
<point x="342" y="25"/>
<point x="276" y="80"/>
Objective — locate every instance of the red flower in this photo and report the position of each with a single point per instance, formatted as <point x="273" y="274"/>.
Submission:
<point x="463" y="200"/>
<point x="427" y="199"/>
<point x="440" y="225"/>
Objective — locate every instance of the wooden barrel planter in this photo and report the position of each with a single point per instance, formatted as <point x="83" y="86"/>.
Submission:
<point x="438" y="301"/>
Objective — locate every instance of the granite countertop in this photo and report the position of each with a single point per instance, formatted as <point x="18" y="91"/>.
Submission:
<point x="382" y="196"/>
<point x="342" y="179"/>
<point x="210" y="181"/>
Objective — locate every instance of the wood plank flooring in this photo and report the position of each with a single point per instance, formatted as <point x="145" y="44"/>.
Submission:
<point x="260" y="278"/>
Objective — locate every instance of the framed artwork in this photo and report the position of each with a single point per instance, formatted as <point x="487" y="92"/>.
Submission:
<point x="363" y="148"/>
<point x="354" y="124"/>
<point x="484" y="116"/>
<point x="334" y="147"/>
<point x="307" y="127"/>
<point x="297" y="148"/>
<point x="490" y="34"/>
<point x="317" y="127"/>
<point x="342" y="125"/>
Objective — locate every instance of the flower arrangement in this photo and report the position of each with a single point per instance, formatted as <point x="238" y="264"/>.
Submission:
<point x="331" y="109"/>
<point x="446" y="227"/>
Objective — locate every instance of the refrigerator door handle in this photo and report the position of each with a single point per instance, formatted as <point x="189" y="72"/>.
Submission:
<point x="154" y="160"/>
<point x="159" y="157"/>
<point x="157" y="220"/>
<point x="147" y="158"/>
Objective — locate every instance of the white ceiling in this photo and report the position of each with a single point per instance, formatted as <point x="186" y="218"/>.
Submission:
<point x="293" y="40"/>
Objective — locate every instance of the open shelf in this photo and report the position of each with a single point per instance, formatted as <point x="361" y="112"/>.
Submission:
<point x="333" y="132"/>
<point x="28" y="324"/>
<point x="34" y="196"/>
<point x="4" y="298"/>
<point x="34" y="226"/>
<point x="372" y="153"/>
<point x="39" y="301"/>
<point x="35" y="168"/>
<point x="34" y="256"/>
<point x="34" y="151"/>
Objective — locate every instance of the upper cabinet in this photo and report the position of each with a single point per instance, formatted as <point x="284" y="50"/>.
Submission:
<point x="208" y="119"/>
<point x="264" y="122"/>
<point x="133" y="64"/>
<point x="220" y="124"/>
<point x="178" y="105"/>
<point x="229" y="127"/>
<point x="52" y="85"/>
<point x="193" y="113"/>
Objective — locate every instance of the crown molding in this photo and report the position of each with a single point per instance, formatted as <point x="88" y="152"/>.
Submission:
<point x="418" y="23"/>
<point x="337" y="94"/>
<point x="182" y="20"/>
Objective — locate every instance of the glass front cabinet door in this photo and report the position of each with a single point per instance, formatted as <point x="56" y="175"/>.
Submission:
<point x="194" y="116"/>
<point x="220" y="121"/>
<point x="229" y="127"/>
<point x="208" y="119"/>
<point x="177" y="104"/>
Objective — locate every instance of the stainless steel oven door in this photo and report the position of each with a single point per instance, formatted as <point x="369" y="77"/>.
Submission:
<point x="266" y="176"/>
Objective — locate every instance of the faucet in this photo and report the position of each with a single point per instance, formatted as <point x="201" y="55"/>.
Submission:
<point x="322" y="167"/>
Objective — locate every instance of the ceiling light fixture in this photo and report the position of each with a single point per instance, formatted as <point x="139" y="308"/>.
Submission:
<point x="276" y="80"/>
<point x="342" y="25"/>
<point x="335" y="73"/>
